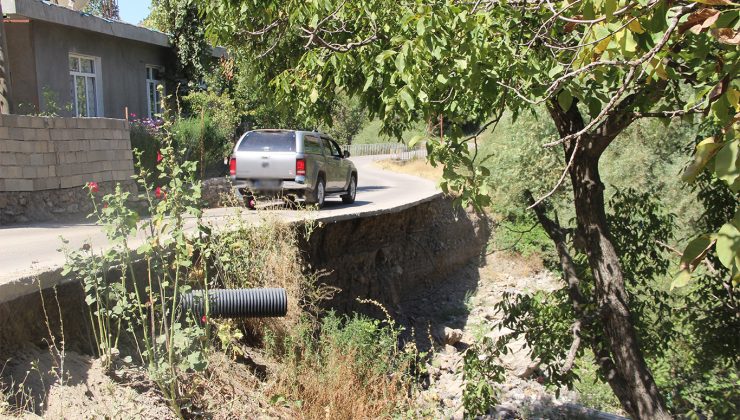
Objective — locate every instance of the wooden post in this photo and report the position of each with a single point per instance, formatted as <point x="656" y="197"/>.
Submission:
<point x="4" y="72"/>
<point x="203" y="143"/>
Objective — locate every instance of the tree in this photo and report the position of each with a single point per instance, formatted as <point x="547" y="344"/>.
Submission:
<point x="347" y="119"/>
<point x="104" y="8"/>
<point x="179" y="19"/>
<point x="596" y="65"/>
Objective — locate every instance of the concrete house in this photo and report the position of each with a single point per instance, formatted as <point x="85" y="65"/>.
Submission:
<point x="79" y="65"/>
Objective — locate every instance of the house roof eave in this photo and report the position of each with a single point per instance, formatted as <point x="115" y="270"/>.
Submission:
<point x="44" y="11"/>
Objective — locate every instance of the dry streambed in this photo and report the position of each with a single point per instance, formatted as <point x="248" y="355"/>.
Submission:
<point x="455" y="326"/>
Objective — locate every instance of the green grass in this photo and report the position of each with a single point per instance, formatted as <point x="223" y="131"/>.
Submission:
<point x="370" y="134"/>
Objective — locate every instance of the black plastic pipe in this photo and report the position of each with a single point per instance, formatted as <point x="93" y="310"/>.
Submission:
<point x="237" y="303"/>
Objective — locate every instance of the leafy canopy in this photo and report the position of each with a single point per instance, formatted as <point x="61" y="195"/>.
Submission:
<point x="411" y="61"/>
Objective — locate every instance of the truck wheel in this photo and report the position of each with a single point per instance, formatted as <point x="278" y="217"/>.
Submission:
<point x="318" y="194"/>
<point x="349" y="198"/>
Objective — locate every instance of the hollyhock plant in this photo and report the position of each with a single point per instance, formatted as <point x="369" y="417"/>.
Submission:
<point x="92" y="186"/>
<point x="160" y="193"/>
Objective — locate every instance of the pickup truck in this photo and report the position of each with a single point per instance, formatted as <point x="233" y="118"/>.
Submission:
<point x="304" y="164"/>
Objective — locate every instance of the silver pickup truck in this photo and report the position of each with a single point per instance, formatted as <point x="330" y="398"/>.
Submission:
<point x="304" y="164"/>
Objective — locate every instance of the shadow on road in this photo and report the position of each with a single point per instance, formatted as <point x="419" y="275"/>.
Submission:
<point x="372" y="188"/>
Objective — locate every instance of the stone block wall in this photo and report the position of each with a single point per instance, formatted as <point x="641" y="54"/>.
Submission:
<point x="45" y="162"/>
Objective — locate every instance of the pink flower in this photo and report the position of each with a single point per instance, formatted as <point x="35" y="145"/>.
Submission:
<point x="105" y="205"/>
<point x="204" y="319"/>
<point x="92" y="186"/>
<point x="159" y="156"/>
<point x="160" y="193"/>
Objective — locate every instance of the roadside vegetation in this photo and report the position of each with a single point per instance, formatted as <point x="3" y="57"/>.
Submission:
<point x="600" y="137"/>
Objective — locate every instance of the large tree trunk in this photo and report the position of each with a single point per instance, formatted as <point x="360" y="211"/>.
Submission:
<point x="643" y="400"/>
<point x="619" y="357"/>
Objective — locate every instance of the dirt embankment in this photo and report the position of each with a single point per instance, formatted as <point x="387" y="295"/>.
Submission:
<point x="394" y="258"/>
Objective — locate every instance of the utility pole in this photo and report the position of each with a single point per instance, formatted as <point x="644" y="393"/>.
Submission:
<point x="4" y="70"/>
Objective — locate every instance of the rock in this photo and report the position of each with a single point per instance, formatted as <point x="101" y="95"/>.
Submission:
<point x="530" y="369"/>
<point x="452" y="336"/>
<point x="450" y="349"/>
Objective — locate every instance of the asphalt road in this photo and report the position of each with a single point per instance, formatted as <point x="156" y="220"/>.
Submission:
<point x="29" y="250"/>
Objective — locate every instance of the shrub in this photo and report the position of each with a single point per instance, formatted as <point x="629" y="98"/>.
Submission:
<point x="144" y="139"/>
<point x="216" y="143"/>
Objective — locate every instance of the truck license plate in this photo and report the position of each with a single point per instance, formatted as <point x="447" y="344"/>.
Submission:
<point x="268" y="184"/>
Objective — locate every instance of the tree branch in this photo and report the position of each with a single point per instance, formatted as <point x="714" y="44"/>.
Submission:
<point x="571" y="358"/>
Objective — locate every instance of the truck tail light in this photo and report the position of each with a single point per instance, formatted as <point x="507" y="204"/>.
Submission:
<point x="300" y="166"/>
<point x="232" y="166"/>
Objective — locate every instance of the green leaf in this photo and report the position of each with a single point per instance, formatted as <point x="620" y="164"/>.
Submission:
<point x="726" y="165"/>
<point x="314" y="96"/>
<point x="442" y="79"/>
<point x="695" y="251"/>
<point x="407" y="98"/>
<point x="681" y="279"/>
<point x="368" y="82"/>
<point x="728" y="244"/>
<point x="609" y="7"/>
<point x="705" y="151"/>
<point x="555" y="71"/>
<point x="414" y="140"/>
<point x="400" y="62"/>
<point x="420" y="28"/>
<point x="380" y="58"/>
<point x="565" y="99"/>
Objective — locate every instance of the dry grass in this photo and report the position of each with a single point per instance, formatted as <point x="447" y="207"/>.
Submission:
<point x="516" y="265"/>
<point x="417" y="167"/>
<point x="347" y="368"/>
<point x="331" y="378"/>
<point x="266" y="254"/>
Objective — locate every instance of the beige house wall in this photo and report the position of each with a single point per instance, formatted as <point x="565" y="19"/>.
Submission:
<point x="44" y="153"/>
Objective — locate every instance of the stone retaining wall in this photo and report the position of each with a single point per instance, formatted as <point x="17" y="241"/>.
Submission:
<point x="44" y="162"/>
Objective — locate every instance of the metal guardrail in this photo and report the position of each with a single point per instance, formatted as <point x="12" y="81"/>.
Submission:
<point x="398" y="150"/>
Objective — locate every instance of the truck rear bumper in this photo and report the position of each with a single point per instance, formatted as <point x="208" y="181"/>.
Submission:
<point x="244" y="186"/>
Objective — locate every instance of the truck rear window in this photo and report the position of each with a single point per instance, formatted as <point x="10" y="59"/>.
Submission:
<point x="272" y="141"/>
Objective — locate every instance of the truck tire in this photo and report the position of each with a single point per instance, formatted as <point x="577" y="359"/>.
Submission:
<point x="318" y="194"/>
<point x="349" y="198"/>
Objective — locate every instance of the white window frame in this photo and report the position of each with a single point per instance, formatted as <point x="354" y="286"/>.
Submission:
<point x="97" y="75"/>
<point x="152" y="84"/>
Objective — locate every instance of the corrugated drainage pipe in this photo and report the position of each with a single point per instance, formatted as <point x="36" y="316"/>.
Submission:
<point x="237" y="303"/>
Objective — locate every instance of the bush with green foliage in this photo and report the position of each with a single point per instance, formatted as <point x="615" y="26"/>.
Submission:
<point x="144" y="139"/>
<point x="201" y="140"/>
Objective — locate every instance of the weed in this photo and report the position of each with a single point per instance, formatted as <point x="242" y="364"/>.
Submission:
<point x="145" y="311"/>
<point x="346" y="367"/>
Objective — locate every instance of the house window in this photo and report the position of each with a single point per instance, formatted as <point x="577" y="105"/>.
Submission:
<point x="85" y="85"/>
<point x="154" y="96"/>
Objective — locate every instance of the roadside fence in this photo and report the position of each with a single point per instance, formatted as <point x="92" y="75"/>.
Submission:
<point x="399" y="151"/>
